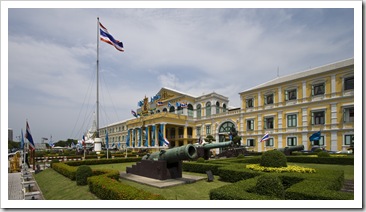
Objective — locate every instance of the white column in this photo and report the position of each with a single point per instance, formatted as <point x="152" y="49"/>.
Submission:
<point x="279" y="118"/>
<point x="333" y="85"/>
<point x="279" y="96"/>
<point x="304" y="118"/>
<point x="304" y="91"/>
<point x="305" y="140"/>
<point x="333" y="141"/>
<point x="333" y="116"/>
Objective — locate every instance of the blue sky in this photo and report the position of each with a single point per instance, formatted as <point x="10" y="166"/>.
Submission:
<point x="48" y="58"/>
<point x="52" y="57"/>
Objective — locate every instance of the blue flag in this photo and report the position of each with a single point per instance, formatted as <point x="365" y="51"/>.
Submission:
<point x="105" y="36"/>
<point x="315" y="136"/>
<point x="106" y="139"/>
<point x="29" y="137"/>
<point x="22" y="141"/>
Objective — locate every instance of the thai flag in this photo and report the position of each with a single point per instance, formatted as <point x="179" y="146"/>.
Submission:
<point x="29" y="137"/>
<point x="108" y="38"/>
<point x="134" y="113"/>
<point x="265" y="137"/>
<point x="166" y="142"/>
<point x="183" y="105"/>
<point x="159" y="103"/>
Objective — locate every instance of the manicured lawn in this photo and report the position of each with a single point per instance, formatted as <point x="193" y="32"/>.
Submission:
<point x="55" y="186"/>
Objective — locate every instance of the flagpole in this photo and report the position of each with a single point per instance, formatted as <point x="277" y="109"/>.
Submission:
<point x="98" y="33"/>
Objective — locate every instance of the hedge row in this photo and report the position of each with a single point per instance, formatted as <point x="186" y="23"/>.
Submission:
<point x="322" y="160"/>
<point x="105" y="184"/>
<point x="323" y="185"/>
<point x="236" y="172"/>
<point x="102" y="161"/>
<point x="193" y="166"/>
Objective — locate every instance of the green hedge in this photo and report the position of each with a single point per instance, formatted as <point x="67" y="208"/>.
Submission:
<point x="107" y="188"/>
<point x="66" y="170"/>
<point x="323" y="185"/>
<point x="102" y="161"/>
<point x="235" y="173"/>
<point x="322" y="160"/>
<point x="201" y="167"/>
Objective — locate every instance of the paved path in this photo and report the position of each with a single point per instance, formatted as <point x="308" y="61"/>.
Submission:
<point x="14" y="186"/>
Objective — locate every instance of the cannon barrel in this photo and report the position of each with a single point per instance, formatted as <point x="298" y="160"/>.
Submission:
<point x="215" y="145"/>
<point x="174" y="155"/>
<point x="289" y="150"/>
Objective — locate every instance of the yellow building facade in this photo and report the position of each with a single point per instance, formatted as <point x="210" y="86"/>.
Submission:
<point x="290" y="109"/>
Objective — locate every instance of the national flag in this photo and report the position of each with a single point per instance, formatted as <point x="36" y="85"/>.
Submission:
<point x="315" y="136"/>
<point x="177" y="104"/>
<point x="159" y="103"/>
<point x="83" y="141"/>
<point x="169" y="104"/>
<point x="119" y="145"/>
<point x="51" y="142"/>
<point x="106" y="139"/>
<point x="28" y="136"/>
<point x="184" y="104"/>
<point x="108" y="38"/>
<point x="166" y="142"/>
<point x="134" y="113"/>
<point x="22" y="141"/>
<point x="265" y="137"/>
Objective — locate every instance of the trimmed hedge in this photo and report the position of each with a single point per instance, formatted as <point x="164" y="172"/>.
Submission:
<point x="235" y="173"/>
<point x="201" y="167"/>
<point x="82" y="174"/>
<point x="322" y="160"/>
<point x="273" y="158"/>
<point x="65" y="170"/>
<point x="323" y="185"/>
<point x="102" y="161"/>
<point x="107" y="188"/>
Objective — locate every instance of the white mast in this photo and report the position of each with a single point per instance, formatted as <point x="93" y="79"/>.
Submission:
<point x="98" y="34"/>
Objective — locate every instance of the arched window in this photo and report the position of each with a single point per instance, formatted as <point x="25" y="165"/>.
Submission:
<point x="217" y="107"/>
<point x="190" y="110"/>
<point x="208" y="109"/>
<point x="158" y="111"/>
<point x="179" y="110"/>
<point x="165" y="110"/>
<point x="171" y="109"/>
<point x="224" y="108"/>
<point x="199" y="111"/>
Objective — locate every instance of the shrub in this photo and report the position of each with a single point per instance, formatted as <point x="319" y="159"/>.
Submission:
<point x="270" y="185"/>
<point x="82" y="174"/>
<point x="200" y="160"/>
<point x="241" y="156"/>
<point x="323" y="154"/>
<point x="273" y="158"/>
<point x="318" y="150"/>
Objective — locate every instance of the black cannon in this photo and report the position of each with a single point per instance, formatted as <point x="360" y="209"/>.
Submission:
<point x="165" y="164"/>
<point x="204" y="149"/>
<point x="288" y="150"/>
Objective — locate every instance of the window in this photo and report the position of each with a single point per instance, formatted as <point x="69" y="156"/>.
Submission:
<point x="269" y="142"/>
<point x="226" y="127"/>
<point x="224" y="108"/>
<point x="348" y="139"/>
<point x="318" y="118"/>
<point x="348" y="114"/>
<point x="250" y="124"/>
<point x="165" y="110"/>
<point x="217" y="107"/>
<point x="348" y="83"/>
<point x="321" y="142"/>
<point x="198" y="111"/>
<point x="208" y="129"/>
<point x="268" y="99"/>
<point x="249" y="103"/>
<point x="291" y="141"/>
<point x="172" y="109"/>
<point x="318" y="89"/>
<point x="179" y="110"/>
<point x="292" y="120"/>
<point x="208" y="109"/>
<point x="290" y="94"/>
<point x="250" y="142"/>
<point x="198" y="131"/>
<point x="268" y="123"/>
<point x="190" y="110"/>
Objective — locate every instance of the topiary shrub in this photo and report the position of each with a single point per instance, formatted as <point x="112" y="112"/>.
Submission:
<point x="323" y="154"/>
<point x="270" y="185"/>
<point x="82" y="174"/>
<point x="200" y="160"/>
<point x="241" y="156"/>
<point x="273" y="158"/>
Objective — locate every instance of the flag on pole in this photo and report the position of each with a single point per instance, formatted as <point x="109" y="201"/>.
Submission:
<point x="265" y="137"/>
<point x="22" y="141"/>
<point x="315" y="136"/>
<point x="159" y="103"/>
<point x="106" y="139"/>
<point x="29" y="137"/>
<point x="105" y="36"/>
<point x="134" y="113"/>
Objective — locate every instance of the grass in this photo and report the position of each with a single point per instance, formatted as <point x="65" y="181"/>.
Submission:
<point x="57" y="187"/>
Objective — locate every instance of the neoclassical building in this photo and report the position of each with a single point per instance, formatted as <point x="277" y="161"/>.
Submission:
<point x="289" y="108"/>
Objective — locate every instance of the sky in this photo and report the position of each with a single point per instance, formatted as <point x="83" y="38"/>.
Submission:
<point x="52" y="57"/>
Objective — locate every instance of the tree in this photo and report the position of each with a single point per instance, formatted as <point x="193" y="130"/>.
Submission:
<point x="209" y="139"/>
